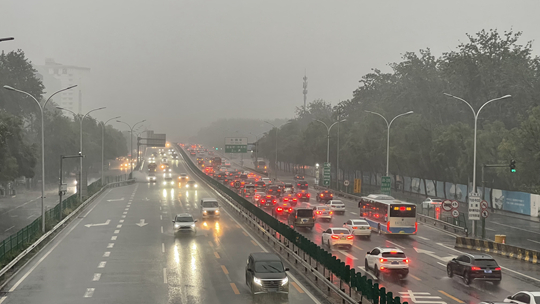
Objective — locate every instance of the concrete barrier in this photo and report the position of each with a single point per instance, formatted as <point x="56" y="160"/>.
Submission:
<point x="488" y="246"/>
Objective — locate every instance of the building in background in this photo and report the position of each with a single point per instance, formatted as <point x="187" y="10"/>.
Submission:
<point x="56" y="76"/>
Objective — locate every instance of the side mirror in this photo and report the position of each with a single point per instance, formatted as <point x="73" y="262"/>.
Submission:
<point x="344" y="223"/>
<point x="286" y="269"/>
<point x="195" y="221"/>
<point x="369" y="252"/>
<point x="173" y="221"/>
<point x="509" y="297"/>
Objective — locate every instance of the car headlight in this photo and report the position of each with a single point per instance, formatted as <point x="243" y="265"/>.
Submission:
<point x="257" y="281"/>
<point x="284" y="281"/>
<point x="165" y="183"/>
<point x="176" y="225"/>
<point x="217" y="211"/>
<point x="192" y="225"/>
<point x="204" y="211"/>
<point x="187" y="186"/>
<point x="172" y="183"/>
<point x="195" y="186"/>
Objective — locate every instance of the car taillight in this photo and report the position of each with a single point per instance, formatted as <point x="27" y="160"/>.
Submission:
<point x="318" y="212"/>
<point x="331" y="195"/>
<point x="335" y="237"/>
<point x="262" y="201"/>
<point x="294" y="200"/>
<point x="473" y="268"/>
<point x="497" y="268"/>
<point x="331" y="212"/>
<point x="382" y="260"/>
<point x="406" y="261"/>
<point x="290" y="210"/>
<point x="279" y="209"/>
<point x="350" y="237"/>
<point x="286" y="199"/>
<point x="299" y="195"/>
<point x="274" y="202"/>
<point x="415" y="227"/>
<point x="354" y="227"/>
<point x="308" y="195"/>
<point x="322" y="195"/>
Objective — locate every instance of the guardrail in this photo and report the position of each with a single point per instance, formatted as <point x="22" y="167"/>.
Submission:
<point x="294" y="243"/>
<point x="23" y="236"/>
<point x="528" y="255"/>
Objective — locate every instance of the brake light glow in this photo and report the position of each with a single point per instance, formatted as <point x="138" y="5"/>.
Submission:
<point x="335" y="237"/>
<point x="382" y="260"/>
<point x="350" y="237"/>
<point x="279" y="209"/>
<point x="322" y="195"/>
<point x="473" y="268"/>
<point x="388" y="227"/>
<point x="406" y="261"/>
<point x="308" y="195"/>
<point x="497" y="268"/>
<point x="402" y="208"/>
<point x="331" y="212"/>
<point x="286" y="199"/>
<point x="354" y="227"/>
<point x="415" y="227"/>
<point x="290" y="210"/>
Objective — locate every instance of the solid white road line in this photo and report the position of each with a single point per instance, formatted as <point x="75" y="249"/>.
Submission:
<point x="367" y="272"/>
<point x="443" y="265"/>
<point x="111" y="245"/>
<point x="97" y="276"/>
<point x="113" y="238"/>
<point x="533" y="241"/>
<point x="106" y="254"/>
<point x="489" y="229"/>
<point x="102" y="264"/>
<point x="526" y="230"/>
<point x="423" y="238"/>
<point x="89" y="292"/>
<point x="165" y="275"/>
<point x="9" y="228"/>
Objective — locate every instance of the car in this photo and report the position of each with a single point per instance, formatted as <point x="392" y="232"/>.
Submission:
<point x="210" y="208"/>
<point x="260" y="185"/>
<point x="265" y="274"/>
<point x="255" y="198"/>
<point x="267" y="181"/>
<point x="151" y="178"/>
<point x="267" y="201"/>
<point x="248" y="190"/>
<point x="524" y="297"/>
<point x="298" y="177"/>
<point x="274" y="190"/>
<point x="336" y="205"/>
<point x="243" y="176"/>
<point x="324" y="196"/>
<point x="227" y="164"/>
<point x="302" y="217"/>
<point x="337" y="237"/>
<point x="358" y="227"/>
<point x="431" y="203"/>
<point x="282" y="209"/>
<point x="475" y="267"/>
<point x="303" y="196"/>
<point x="387" y="260"/>
<point x="183" y="177"/>
<point x="168" y="181"/>
<point x="191" y="185"/>
<point x="184" y="222"/>
<point x="302" y="185"/>
<point x="322" y="212"/>
<point x="289" y="198"/>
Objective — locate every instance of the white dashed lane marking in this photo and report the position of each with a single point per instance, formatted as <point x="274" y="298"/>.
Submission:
<point x="89" y="292"/>
<point x="97" y="276"/>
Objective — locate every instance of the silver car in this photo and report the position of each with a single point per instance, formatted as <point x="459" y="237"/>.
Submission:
<point x="184" y="222"/>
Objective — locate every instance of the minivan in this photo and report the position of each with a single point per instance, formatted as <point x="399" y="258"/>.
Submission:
<point x="302" y="217"/>
<point x="265" y="274"/>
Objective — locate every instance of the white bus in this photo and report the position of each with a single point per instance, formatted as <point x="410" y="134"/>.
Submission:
<point x="388" y="215"/>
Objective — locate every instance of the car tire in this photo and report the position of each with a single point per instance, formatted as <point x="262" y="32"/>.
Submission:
<point x="366" y="265"/>
<point x="376" y="271"/>
<point x="329" y="246"/>
<point x="368" y="237"/>
<point x="496" y="283"/>
<point x="449" y="271"/>
<point x="466" y="278"/>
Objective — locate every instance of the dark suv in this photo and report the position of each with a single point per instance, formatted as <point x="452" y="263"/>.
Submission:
<point x="302" y="185"/>
<point x="475" y="267"/>
<point x="265" y="274"/>
<point x="324" y="196"/>
<point x="274" y="190"/>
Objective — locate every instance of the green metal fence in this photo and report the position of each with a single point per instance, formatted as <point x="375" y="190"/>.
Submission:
<point x="17" y="242"/>
<point x="354" y="279"/>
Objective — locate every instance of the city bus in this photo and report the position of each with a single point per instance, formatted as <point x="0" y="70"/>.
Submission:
<point x="388" y="215"/>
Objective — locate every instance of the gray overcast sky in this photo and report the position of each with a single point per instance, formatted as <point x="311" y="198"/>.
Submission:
<point x="182" y="64"/>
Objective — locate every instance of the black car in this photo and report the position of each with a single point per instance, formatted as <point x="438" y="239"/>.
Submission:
<point x="324" y="196"/>
<point x="265" y="274"/>
<point x="475" y="267"/>
<point x="302" y="185"/>
<point x="298" y="177"/>
<point x="274" y="190"/>
<point x="303" y="196"/>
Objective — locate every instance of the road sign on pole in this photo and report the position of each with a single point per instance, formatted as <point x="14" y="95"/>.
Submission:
<point x="357" y="185"/>
<point x="236" y="144"/>
<point x="474" y="206"/>
<point x="455" y="204"/>
<point x="447" y="205"/>
<point x="326" y="174"/>
<point x="386" y="184"/>
<point x="455" y="213"/>
<point x="485" y="213"/>
<point x="483" y="205"/>
<point x="346" y="183"/>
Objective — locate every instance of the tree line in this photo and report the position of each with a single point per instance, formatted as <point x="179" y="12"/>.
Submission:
<point x="20" y="128"/>
<point x="436" y="142"/>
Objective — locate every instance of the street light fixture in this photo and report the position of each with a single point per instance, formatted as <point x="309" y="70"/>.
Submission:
<point x="474" y="142"/>
<point x="41" y="108"/>
<point x="6" y="39"/>
<point x="388" y="134"/>
<point x="79" y="185"/>
<point x="328" y="142"/>
<point x="103" y="146"/>
<point x="131" y="140"/>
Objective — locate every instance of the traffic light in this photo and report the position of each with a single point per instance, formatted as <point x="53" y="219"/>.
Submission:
<point x="513" y="166"/>
<point x="217" y="149"/>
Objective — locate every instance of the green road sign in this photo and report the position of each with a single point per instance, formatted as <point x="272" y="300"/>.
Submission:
<point x="235" y="148"/>
<point x="326" y="174"/>
<point x="386" y="184"/>
<point x="236" y="144"/>
<point x="326" y="182"/>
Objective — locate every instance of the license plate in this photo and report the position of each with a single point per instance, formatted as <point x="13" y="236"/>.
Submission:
<point x="395" y="263"/>
<point x="272" y="289"/>
<point x="343" y="238"/>
<point x="487" y="271"/>
<point x="304" y="220"/>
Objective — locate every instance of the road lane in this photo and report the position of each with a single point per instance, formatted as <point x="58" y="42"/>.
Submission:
<point x="428" y="266"/>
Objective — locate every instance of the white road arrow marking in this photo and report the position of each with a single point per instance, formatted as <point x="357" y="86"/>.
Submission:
<point x="115" y="200"/>
<point x="433" y="255"/>
<point x="141" y="223"/>
<point x="102" y="224"/>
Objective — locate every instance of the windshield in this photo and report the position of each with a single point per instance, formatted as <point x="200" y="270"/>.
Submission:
<point x="269" y="267"/>
<point x="393" y="255"/>
<point x="210" y="204"/>
<point x="397" y="210"/>
<point x="360" y="223"/>
<point x="304" y="213"/>
<point x="485" y="263"/>
<point x="340" y="231"/>
<point x="184" y="219"/>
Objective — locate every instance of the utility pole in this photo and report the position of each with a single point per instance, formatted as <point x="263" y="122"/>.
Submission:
<point x="305" y="90"/>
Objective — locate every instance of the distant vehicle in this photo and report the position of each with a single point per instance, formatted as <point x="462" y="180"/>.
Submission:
<point x="227" y="164"/>
<point x="298" y="177"/>
<point x="266" y="180"/>
<point x="192" y="185"/>
<point x="302" y="217"/>
<point x="388" y="215"/>
<point x="151" y="178"/>
<point x="260" y="165"/>
<point x="210" y="208"/>
<point x="274" y="190"/>
<point x="168" y="181"/>
<point x="303" y="196"/>
<point x="216" y="161"/>
<point x="152" y="167"/>
<point x="358" y="227"/>
<point x="249" y="190"/>
<point x="282" y="209"/>
<point x="183" y="177"/>
<point x="260" y="186"/>
<point x="475" y="267"/>
<point x="265" y="274"/>
<point x="336" y="205"/>
<point x="184" y="222"/>
<point x="322" y="212"/>
<point x="302" y="185"/>
<point x="267" y="201"/>
<point x="431" y="203"/>
<point x="289" y="198"/>
<point x="324" y="196"/>
<point x="387" y="260"/>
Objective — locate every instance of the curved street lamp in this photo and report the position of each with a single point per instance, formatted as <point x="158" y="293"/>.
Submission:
<point x="103" y="146"/>
<point x="41" y="108"/>
<point x="131" y="135"/>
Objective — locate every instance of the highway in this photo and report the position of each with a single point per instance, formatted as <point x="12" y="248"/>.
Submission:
<point x="429" y="251"/>
<point x="122" y="249"/>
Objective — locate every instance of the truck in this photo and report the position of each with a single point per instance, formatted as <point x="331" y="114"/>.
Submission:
<point x="260" y="165"/>
<point x="216" y="162"/>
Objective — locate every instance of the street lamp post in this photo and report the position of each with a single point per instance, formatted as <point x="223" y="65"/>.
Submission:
<point x="41" y="108"/>
<point x="388" y="125"/>
<point x="475" y="114"/>
<point x="103" y="146"/>
<point x="276" y="162"/>
<point x="131" y="140"/>
<point x="80" y="185"/>
<point x="328" y="142"/>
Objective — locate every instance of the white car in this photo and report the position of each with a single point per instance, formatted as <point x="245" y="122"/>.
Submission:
<point x="387" y="260"/>
<point x="322" y="212"/>
<point x="358" y="227"/>
<point x="524" y="297"/>
<point x="266" y="180"/>
<point x="336" y="205"/>
<point x="184" y="222"/>
<point x="210" y="208"/>
<point x="431" y="203"/>
<point x="337" y="237"/>
<point x="255" y="198"/>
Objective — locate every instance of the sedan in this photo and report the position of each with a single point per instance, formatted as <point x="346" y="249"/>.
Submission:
<point x="337" y="237"/>
<point x="358" y="227"/>
<point x="524" y="297"/>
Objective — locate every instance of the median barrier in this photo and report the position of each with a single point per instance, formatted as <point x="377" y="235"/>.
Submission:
<point x="488" y="246"/>
<point x="349" y="285"/>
